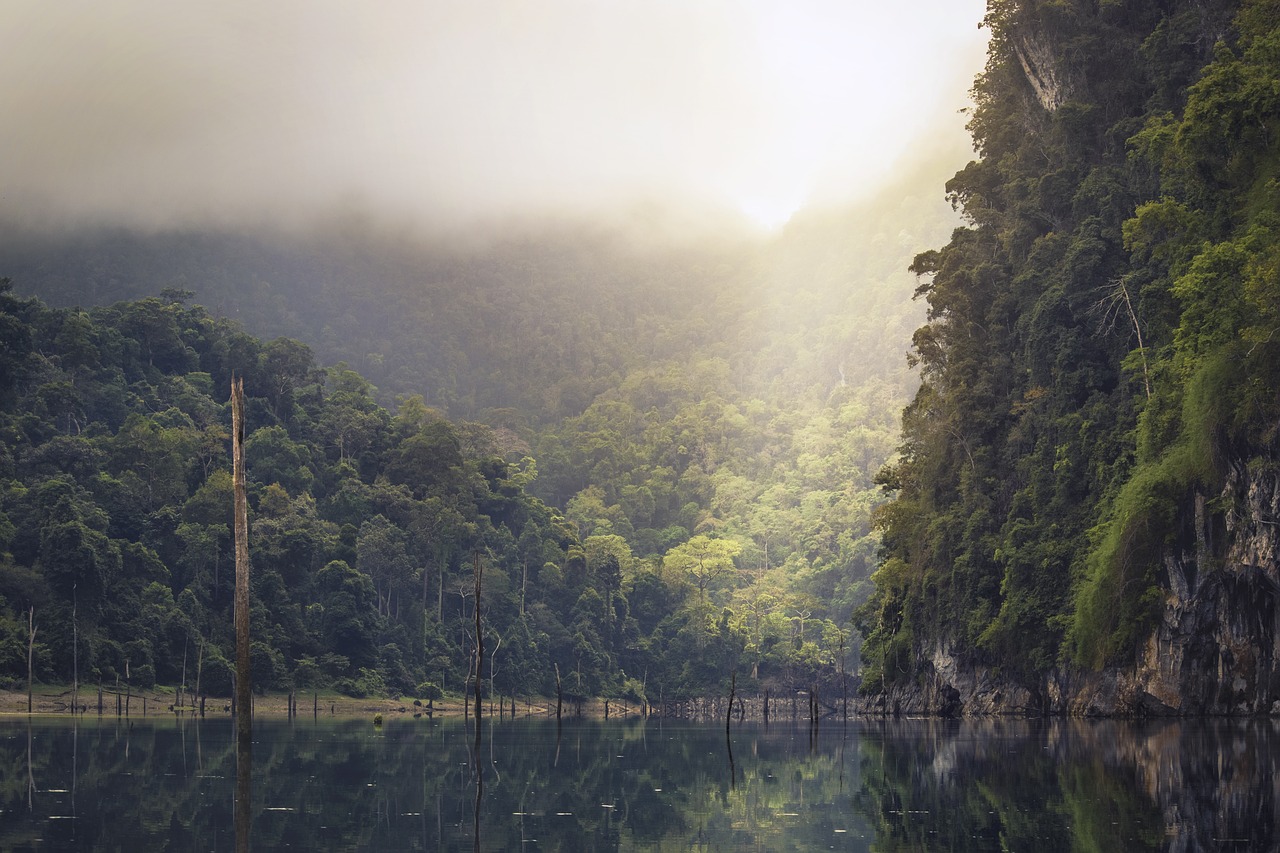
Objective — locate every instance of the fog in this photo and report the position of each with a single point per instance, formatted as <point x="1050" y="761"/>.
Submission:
<point x="452" y="115"/>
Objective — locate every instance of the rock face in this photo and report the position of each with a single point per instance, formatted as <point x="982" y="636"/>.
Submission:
<point x="1215" y="649"/>
<point x="1049" y="81"/>
<point x="953" y="688"/>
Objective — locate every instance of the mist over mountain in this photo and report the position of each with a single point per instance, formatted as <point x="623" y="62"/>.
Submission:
<point x="538" y="318"/>
<point x="444" y="118"/>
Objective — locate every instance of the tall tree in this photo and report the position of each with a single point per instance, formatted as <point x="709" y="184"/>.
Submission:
<point x="244" y="718"/>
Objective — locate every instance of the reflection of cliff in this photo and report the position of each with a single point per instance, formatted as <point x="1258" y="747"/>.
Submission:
<point x="1214" y="783"/>
<point x="1071" y="785"/>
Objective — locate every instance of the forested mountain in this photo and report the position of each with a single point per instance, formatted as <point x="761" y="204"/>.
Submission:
<point x="539" y="319"/>
<point x="663" y="457"/>
<point x="1085" y="508"/>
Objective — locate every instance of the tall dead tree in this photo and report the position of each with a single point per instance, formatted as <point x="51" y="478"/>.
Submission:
<point x="559" y="693"/>
<point x="479" y="642"/>
<point x="733" y="691"/>
<point x="244" y="719"/>
<point x="1115" y="299"/>
<point x="75" y="653"/>
<point x="31" y="648"/>
<point x="844" y="682"/>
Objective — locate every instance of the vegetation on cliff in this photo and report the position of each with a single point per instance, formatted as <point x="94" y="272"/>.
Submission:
<point x="1102" y="337"/>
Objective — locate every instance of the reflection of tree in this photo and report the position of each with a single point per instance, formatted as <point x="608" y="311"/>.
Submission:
<point x="31" y="779"/>
<point x="244" y="792"/>
<point x="340" y="784"/>
<point x="641" y="783"/>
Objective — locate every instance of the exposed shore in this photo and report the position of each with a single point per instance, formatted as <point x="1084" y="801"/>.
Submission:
<point x="159" y="701"/>
<point x="53" y="699"/>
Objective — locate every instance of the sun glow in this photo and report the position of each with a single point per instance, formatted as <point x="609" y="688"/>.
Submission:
<point x="446" y="114"/>
<point x="769" y="213"/>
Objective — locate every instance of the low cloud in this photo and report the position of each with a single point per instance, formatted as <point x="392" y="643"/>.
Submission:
<point x="445" y="114"/>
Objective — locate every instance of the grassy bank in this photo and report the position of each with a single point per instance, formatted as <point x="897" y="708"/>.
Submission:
<point x="160" y="701"/>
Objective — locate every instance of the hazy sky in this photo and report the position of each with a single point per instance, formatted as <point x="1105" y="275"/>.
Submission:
<point x="449" y="111"/>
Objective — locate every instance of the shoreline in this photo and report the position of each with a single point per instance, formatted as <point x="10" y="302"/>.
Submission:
<point x="55" y="700"/>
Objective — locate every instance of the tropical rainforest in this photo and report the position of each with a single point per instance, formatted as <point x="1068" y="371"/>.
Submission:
<point x="660" y="459"/>
<point x="683" y="464"/>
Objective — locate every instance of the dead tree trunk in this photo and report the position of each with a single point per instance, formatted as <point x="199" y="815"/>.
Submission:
<point x="733" y="690"/>
<point x="244" y="719"/>
<point x="75" y="652"/>
<point x="199" y="672"/>
<point x="479" y="642"/>
<point x="31" y="647"/>
<point x="559" y="693"/>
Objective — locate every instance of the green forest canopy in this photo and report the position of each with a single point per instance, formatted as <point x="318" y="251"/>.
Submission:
<point x="667" y="475"/>
<point x="668" y="459"/>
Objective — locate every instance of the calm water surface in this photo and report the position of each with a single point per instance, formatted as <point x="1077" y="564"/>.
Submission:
<point x="157" y="784"/>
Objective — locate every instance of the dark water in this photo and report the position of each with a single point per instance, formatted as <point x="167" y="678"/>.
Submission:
<point x="165" y="784"/>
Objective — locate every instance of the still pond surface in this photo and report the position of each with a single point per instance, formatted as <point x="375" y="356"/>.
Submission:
<point x="326" y="784"/>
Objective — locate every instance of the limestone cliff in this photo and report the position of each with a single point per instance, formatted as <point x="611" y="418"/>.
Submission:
<point x="1215" y="648"/>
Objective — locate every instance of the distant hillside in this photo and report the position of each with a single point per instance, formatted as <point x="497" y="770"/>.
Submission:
<point x="716" y="412"/>
<point x="542" y="322"/>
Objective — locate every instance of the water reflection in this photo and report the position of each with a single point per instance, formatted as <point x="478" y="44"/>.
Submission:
<point x="1072" y="785"/>
<point x="244" y="791"/>
<point x="596" y="785"/>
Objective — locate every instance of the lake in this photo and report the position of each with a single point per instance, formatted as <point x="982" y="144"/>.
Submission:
<point x="344" y="784"/>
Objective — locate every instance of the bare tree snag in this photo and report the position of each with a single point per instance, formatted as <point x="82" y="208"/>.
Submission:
<point x="733" y="692"/>
<point x="199" y="672"/>
<point x="31" y="647"/>
<point x="244" y="718"/>
<point x="75" y="652"/>
<point x="559" y="692"/>
<point x="844" y="682"/>
<point x="1109" y="306"/>
<point x="476" y="565"/>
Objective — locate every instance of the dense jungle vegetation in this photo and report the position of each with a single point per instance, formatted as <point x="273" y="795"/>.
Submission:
<point x="667" y="457"/>
<point x="1102" y="342"/>
<point x="663" y="458"/>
